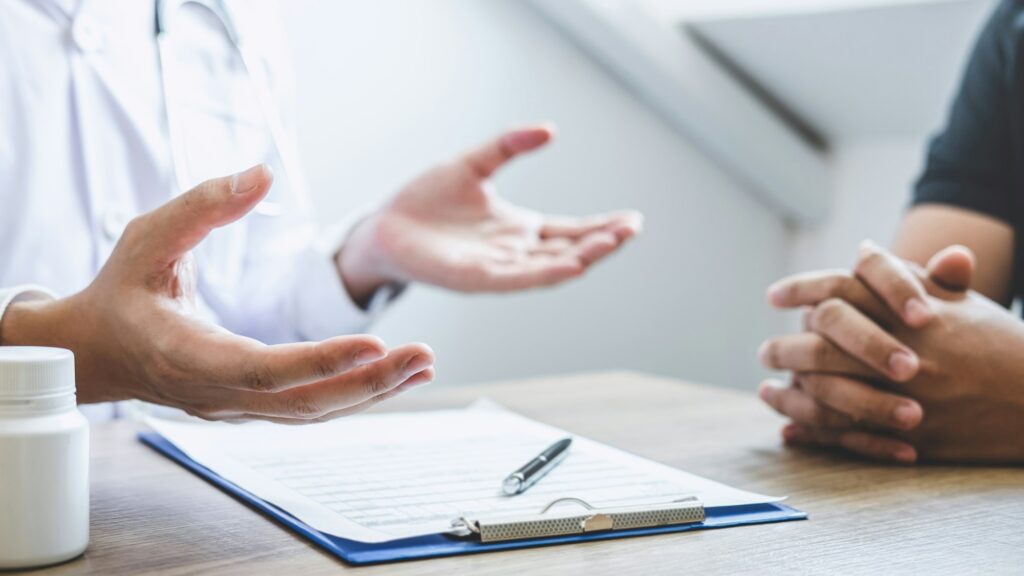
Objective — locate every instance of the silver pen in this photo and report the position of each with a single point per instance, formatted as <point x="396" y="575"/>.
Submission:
<point x="518" y="481"/>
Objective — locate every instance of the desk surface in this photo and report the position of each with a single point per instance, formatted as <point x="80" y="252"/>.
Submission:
<point x="149" y="515"/>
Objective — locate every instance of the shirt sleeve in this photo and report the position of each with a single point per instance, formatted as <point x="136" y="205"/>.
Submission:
<point x="970" y="164"/>
<point x="320" y="305"/>
<point x="289" y="288"/>
<point x="21" y="293"/>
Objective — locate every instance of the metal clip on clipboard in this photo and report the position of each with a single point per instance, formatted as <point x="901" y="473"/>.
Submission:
<point x="685" y="511"/>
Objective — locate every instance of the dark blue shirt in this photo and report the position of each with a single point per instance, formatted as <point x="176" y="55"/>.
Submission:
<point x="977" y="161"/>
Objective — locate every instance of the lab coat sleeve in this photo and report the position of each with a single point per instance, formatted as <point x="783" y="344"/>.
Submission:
<point x="290" y="288"/>
<point x="21" y="293"/>
<point x="321" y="306"/>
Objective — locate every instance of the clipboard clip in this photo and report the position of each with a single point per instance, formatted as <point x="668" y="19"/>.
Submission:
<point x="688" y="510"/>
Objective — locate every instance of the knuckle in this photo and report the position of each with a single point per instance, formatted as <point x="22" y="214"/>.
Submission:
<point x="845" y="288"/>
<point x="821" y="417"/>
<point x="770" y="354"/>
<point x="882" y="410"/>
<point x="871" y="445"/>
<point x="822" y="352"/>
<point x="827" y="314"/>
<point x="807" y="320"/>
<point x="259" y="379"/>
<point x="323" y="365"/>
<point x="303" y="406"/>
<point x="899" y="284"/>
<point x="834" y="285"/>
<point x="377" y="382"/>
<point x="135" y="229"/>
<point x="811" y="385"/>
<point x="875" y="348"/>
<point x="869" y="260"/>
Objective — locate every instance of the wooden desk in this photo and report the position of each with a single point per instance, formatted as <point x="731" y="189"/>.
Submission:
<point x="149" y="515"/>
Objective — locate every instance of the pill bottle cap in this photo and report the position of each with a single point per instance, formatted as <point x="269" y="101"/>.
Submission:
<point x="28" y="372"/>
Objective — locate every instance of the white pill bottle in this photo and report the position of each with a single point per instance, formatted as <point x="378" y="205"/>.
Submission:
<point x="44" y="459"/>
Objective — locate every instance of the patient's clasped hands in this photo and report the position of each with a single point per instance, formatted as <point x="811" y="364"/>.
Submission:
<point x="899" y="362"/>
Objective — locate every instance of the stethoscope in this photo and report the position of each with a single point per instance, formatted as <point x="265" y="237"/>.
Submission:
<point x="166" y="10"/>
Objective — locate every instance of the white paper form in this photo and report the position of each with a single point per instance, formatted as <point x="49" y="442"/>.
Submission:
<point x="380" y="477"/>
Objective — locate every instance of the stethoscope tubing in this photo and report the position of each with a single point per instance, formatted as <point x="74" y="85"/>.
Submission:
<point x="164" y="14"/>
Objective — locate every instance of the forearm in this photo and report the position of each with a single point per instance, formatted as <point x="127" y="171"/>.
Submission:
<point x="928" y="228"/>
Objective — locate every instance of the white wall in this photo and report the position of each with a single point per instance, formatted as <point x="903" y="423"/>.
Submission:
<point x="871" y="184"/>
<point x="388" y="87"/>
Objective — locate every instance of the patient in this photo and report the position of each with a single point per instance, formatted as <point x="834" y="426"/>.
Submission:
<point x="912" y="355"/>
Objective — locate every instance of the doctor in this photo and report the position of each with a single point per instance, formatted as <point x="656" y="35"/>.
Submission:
<point x="125" y="237"/>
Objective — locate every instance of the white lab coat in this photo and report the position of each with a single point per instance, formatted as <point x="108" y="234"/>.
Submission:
<point x="84" y="148"/>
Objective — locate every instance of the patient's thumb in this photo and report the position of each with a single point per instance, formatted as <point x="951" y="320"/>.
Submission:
<point x="952" y="268"/>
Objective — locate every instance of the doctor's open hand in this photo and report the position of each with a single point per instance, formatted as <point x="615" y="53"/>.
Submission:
<point x="901" y="363"/>
<point x="134" y="333"/>
<point x="451" y="229"/>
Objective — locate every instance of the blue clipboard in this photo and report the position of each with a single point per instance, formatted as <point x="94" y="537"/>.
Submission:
<point x="439" y="545"/>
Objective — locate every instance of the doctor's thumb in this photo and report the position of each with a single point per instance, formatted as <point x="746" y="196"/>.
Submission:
<point x="179" y="225"/>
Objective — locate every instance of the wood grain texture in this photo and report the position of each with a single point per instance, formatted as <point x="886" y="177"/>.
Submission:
<point x="150" y="516"/>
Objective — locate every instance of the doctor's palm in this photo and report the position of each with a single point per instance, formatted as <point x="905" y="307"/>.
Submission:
<point x="450" y="228"/>
<point x="135" y="335"/>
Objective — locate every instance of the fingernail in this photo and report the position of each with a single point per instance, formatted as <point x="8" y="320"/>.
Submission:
<point x="417" y="364"/>
<point x="765" y="391"/>
<point x="368" y="355"/>
<point x="764" y="354"/>
<point x="902" y="365"/>
<point x="245" y="181"/>
<point x="907" y="415"/>
<point x="905" y="454"/>
<point x="917" y="312"/>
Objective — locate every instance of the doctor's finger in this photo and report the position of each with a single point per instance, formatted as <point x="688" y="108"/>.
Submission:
<point x="810" y="352"/>
<point x="894" y="282"/>
<point x="244" y="364"/>
<point x="486" y="159"/>
<point x="595" y="246"/>
<point x="624" y="225"/>
<point x="536" y="271"/>
<point x="870" y="445"/>
<point x="587" y="250"/>
<point x="350" y="389"/>
<point x="173" y="229"/>
<point x="414" y="381"/>
<point x="849" y="329"/>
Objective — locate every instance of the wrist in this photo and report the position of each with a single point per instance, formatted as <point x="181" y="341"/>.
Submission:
<point x="24" y="324"/>
<point x="48" y="322"/>
<point x="361" y="265"/>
